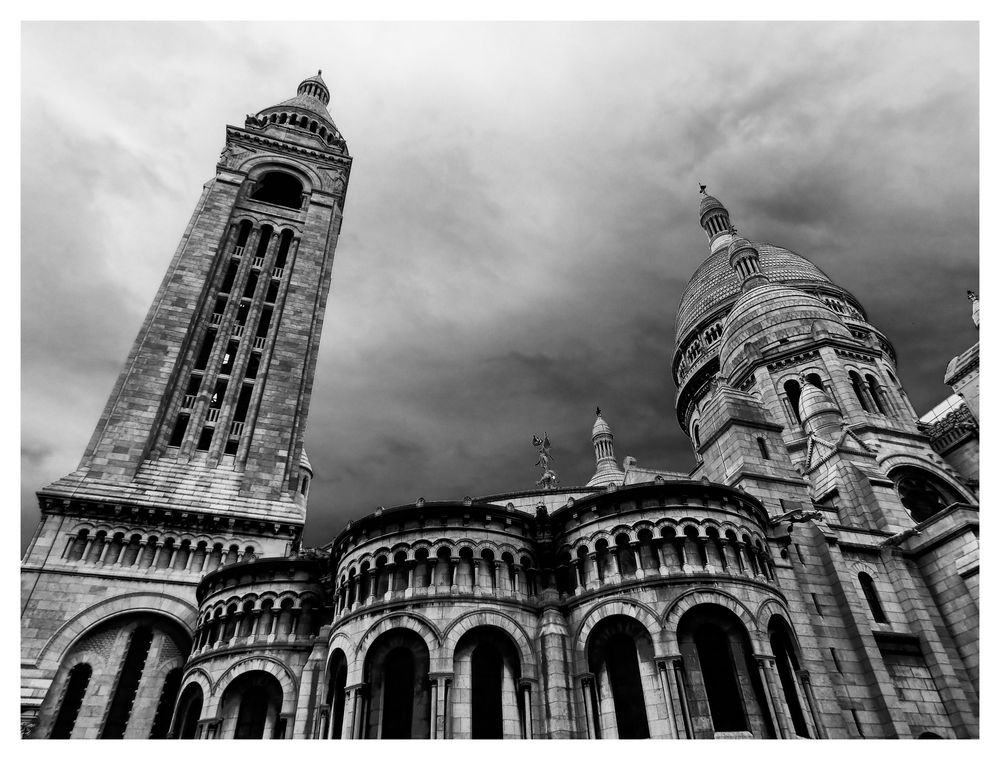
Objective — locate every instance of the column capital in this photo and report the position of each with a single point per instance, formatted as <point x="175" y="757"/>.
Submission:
<point x="527" y="683"/>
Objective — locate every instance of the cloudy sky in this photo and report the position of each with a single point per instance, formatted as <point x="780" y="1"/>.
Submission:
<point x="521" y="219"/>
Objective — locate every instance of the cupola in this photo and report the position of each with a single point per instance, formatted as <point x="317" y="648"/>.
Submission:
<point x="607" y="470"/>
<point x="714" y="220"/>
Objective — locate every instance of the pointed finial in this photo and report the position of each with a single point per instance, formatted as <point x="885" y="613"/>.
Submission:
<point x="598" y="411"/>
<point x="703" y="189"/>
<point x="319" y="72"/>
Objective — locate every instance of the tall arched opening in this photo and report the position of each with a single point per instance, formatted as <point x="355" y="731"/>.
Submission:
<point x="485" y="703"/>
<point x="620" y="655"/>
<point x="724" y="690"/>
<point x="251" y="707"/>
<point x="399" y="704"/>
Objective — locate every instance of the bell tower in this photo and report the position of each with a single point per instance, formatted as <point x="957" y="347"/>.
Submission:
<point x="197" y="459"/>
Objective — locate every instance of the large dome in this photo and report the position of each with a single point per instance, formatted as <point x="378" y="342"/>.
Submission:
<point x="715" y="282"/>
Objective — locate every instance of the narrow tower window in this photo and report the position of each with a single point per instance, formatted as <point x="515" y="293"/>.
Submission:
<point x="762" y="444"/>
<point x="871" y="595"/>
<point x="876" y="393"/>
<point x="180" y="427"/>
<point x="858" y="390"/>
<point x="792" y="391"/>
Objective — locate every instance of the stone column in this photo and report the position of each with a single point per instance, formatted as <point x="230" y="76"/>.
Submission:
<point x="586" y="687"/>
<point x="434" y="708"/>
<point x="805" y="683"/>
<point x="577" y="566"/>
<point x="660" y="547"/>
<point x="661" y="669"/>
<point x="453" y="573"/>
<point x="636" y="548"/>
<point x="432" y="575"/>
<point x="357" y="718"/>
<point x="526" y="690"/>
<point x="411" y="570"/>
<point x="677" y="678"/>
<point x="497" y="578"/>
<point x="121" y="553"/>
<point x="156" y="555"/>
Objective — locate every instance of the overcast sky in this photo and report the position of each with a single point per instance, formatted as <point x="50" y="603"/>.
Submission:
<point x="520" y="222"/>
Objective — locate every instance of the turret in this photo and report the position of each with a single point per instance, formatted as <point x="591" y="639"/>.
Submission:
<point x="607" y="470"/>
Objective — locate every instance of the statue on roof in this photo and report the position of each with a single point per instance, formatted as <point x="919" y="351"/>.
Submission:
<point x="548" y="479"/>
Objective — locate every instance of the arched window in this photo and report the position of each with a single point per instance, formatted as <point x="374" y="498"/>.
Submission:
<point x="696" y="435"/>
<point x="189" y="711"/>
<point x="871" y="596"/>
<point x="336" y="698"/>
<point x="876" y="393"/>
<point x="922" y="494"/>
<point x="787" y="665"/>
<point x="165" y="706"/>
<point x="128" y="683"/>
<point x="76" y="688"/>
<point x="626" y="557"/>
<point x="813" y="379"/>
<point x="792" y="391"/>
<point x="858" y="388"/>
<point x="280" y="189"/>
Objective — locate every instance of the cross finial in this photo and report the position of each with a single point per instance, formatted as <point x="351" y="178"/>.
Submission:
<point x="732" y="229"/>
<point x="598" y="411"/>
<point x="319" y="72"/>
<point x="703" y="189"/>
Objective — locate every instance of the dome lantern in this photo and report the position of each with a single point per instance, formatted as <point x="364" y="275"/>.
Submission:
<point x="745" y="261"/>
<point x="714" y="219"/>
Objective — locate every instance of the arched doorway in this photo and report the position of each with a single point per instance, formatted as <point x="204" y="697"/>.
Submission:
<point x="620" y="655"/>
<point x="251" y="707"/>
<point x="485" y="699"/>
<point x="124" y="661"/>
<point x="396" y="669"/>
<point x="724" y="690"/>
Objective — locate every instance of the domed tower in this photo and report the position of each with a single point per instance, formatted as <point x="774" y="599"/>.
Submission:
<point x="759" y="323"/>
<point x="607" y="470"/>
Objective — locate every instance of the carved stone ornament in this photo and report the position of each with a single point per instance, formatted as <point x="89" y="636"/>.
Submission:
<point x="233" y="155"/>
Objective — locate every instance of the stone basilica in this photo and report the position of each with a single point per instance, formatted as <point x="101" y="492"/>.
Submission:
<point x="815" y="576"/>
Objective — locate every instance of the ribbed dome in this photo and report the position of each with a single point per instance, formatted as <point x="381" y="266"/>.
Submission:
<point x="709" y="202"/>
<point x="601" y="427"/>
<point x="773" y="315"/>
<point x="715" y="282"/>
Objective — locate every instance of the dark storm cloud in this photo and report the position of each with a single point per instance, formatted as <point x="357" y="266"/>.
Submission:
<point x="521" y="220"/>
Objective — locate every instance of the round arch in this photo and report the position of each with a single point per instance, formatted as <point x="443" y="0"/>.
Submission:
<point x="492" y="619"/>
<point x="676" y="610"/>
<point x="271" y="665"/>
<point x="177" y="610"/>
<point x="643" y="614"/>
